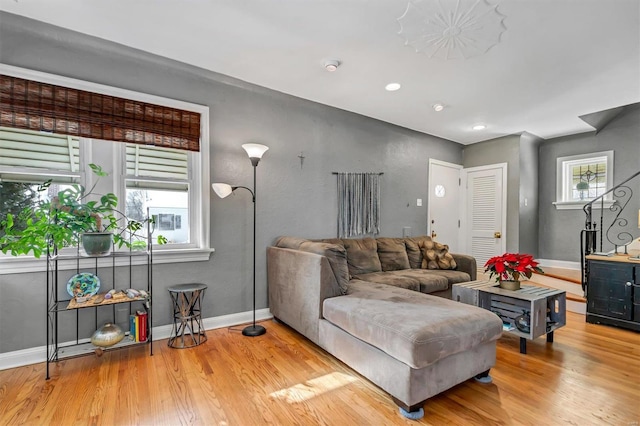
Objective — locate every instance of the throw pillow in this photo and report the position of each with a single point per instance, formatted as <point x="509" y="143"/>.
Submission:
<point x="414" y="250"/>
<point x="362" y="256"/>
<point x="436" y="256"/>
<point x="393" y="254"/>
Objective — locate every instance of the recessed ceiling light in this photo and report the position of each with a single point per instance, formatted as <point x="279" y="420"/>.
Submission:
<point x="479" y="127"/>
<point x="438" y="107"/>
<point x="331" y="65"/>
<point x="392" y="87"/>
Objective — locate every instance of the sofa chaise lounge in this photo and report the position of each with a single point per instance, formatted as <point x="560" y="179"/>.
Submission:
<point x="364" y="301"/>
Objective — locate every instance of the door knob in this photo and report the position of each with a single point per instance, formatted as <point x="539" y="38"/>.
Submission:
<point x="497" y="234"/>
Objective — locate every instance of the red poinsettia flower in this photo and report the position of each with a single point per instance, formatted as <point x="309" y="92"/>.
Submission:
<point x="512" y="266"/>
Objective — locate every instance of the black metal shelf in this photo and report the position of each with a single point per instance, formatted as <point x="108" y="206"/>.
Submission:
<point x="120" y="276"/>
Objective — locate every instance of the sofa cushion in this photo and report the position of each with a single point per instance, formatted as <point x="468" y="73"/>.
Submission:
<point x="335" y="254"/>
<point x="362" y="256"/>
<point x="452" y="277"/>
<point x="436" y="255"/>
<point x="392" y="279"/>
<point x="414" y="250"/>
<point x="416" y="329"/>
<point x="392" y="254"/>
<point x="429" y="282"/>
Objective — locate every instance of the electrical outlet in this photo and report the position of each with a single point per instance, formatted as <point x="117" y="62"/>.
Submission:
<point x="419" y="202"/>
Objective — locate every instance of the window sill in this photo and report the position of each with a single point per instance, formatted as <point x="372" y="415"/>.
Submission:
<point x="578" y="205"/>
<point x="23" y="264"/>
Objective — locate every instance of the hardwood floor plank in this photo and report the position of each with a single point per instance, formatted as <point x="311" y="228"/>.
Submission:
<point x="590" y="375"/>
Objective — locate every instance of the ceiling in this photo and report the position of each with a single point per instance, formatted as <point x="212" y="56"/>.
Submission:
<point x="532" y="65"/>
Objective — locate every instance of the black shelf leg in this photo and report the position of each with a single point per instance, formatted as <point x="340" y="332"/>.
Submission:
<point x="550" y="337"/>
<point x="523" y="345"/>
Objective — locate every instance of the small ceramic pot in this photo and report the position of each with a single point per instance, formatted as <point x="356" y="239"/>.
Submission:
<point x="97" y="243"/>
<point x="107" y="335"/>
<point x="510" y="284"/>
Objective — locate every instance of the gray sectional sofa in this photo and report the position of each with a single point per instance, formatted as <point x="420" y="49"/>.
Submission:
<point x="365" y="301"/>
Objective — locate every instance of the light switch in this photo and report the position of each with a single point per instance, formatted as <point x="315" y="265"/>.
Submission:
<point x="419" y="202"/>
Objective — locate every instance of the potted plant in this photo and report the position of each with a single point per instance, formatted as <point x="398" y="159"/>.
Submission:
<point x="69" y="218"/>
<point x="510" y="267"/>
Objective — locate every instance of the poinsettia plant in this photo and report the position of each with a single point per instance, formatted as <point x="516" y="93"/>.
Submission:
<point x="512" y="266"/>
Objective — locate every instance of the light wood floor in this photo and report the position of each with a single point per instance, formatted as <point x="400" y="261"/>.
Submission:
<point x="589" y="376"/>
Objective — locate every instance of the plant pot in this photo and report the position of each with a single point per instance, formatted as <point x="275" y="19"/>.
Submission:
<point x="97" y="243"/>
<point x="510" y="284"/>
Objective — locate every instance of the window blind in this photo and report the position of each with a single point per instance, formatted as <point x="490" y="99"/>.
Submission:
<point x="153" y="167"/>
<point x="159" y="163"/>
<point x="33" y="105"/>
<point x="28" y="153"/>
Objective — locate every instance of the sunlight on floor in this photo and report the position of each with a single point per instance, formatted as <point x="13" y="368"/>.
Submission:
<point x="312" y="388"/>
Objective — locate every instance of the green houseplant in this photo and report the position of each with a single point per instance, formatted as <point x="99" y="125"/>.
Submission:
<point x="72" y="213"/>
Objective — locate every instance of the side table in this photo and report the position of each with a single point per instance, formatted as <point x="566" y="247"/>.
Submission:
<point x="546" y="307"/>
<point x="188" y="330"/>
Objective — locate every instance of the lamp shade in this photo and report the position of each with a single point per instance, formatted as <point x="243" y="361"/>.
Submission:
<point x="222" y="190"/>
<point x="255" y="150"/>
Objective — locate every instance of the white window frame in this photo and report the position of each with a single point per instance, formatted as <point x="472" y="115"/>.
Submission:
<point x="200" y="191"/>
<point x="194" y="189"/>
<point x="563" y="179"/>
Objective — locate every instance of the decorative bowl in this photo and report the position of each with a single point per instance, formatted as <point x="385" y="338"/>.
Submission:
<point x="107" y="335"/>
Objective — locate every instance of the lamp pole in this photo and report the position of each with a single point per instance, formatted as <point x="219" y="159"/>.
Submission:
<point x="254" y="330"/>
<point x="255" y="152"/>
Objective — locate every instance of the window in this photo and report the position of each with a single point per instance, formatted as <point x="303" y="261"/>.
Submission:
<point x="172" y="184"/>
<point x="158" y="181"/>
<point x="29" y="158"/>
<point x="582" y="178"/>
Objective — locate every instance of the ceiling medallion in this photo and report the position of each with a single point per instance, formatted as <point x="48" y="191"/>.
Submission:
<point x="451" y="29"/>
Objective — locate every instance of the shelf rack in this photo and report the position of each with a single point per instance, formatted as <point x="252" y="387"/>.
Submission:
<point x="67" y="307"/>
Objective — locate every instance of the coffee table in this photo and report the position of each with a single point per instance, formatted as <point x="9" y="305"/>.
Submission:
<point x="546" y="307"/>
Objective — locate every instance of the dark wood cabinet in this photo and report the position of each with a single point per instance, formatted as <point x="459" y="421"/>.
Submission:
<point x="613" y="292"/>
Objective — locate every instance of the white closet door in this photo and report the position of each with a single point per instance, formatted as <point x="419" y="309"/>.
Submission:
<point x="486" y="212"/>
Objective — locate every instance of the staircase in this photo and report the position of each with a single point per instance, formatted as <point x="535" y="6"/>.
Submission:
<point x="568" y="280"/>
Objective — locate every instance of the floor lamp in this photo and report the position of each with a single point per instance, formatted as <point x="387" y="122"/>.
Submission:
<point x="222" y="190"/>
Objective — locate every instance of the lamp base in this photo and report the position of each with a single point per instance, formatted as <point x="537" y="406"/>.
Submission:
<point x="254" y="330"/>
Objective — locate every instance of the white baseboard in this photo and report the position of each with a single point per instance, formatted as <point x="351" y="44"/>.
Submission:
<point x="577" y="307"/>
<point x="565" y="264"/>
<point x="39" y="354"/>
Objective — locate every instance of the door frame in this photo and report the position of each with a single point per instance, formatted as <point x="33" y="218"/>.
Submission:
<point x="461" y="193"/>
<point x="464" y="227"/>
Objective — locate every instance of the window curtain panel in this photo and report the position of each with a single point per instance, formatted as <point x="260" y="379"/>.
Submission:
<point x="358" y="204"/>
<point x="33" y="105"/>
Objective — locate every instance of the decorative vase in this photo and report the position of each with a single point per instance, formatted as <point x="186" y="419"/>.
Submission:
<point x="523" y="322"/>
<point x="97" y="243"/>
<point x="510" y="284"/>
<point x="107" y="335"/>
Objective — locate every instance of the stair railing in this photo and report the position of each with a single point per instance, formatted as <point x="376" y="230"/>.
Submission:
<point x="615" y="232"/>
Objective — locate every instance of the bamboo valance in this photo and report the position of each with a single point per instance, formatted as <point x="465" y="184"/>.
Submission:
<point x="32" y="105"/>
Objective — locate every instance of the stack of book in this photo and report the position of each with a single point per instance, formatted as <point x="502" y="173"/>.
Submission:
<point x="139" y="326"/>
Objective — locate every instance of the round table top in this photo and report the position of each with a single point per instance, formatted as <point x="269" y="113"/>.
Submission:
<point x="183" y="288"/>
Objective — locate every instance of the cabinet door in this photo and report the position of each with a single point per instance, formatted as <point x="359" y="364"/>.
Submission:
<point x="636" y="294"/>
<point x="608" y="293"/>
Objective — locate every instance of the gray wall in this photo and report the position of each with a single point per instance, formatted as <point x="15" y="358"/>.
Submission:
<point x="292" y="200"/>
<point x="520" y="152"/>
<point x="528" y="197"/>
<point x="502" y="150"/>
<point x="559" y="237"/>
